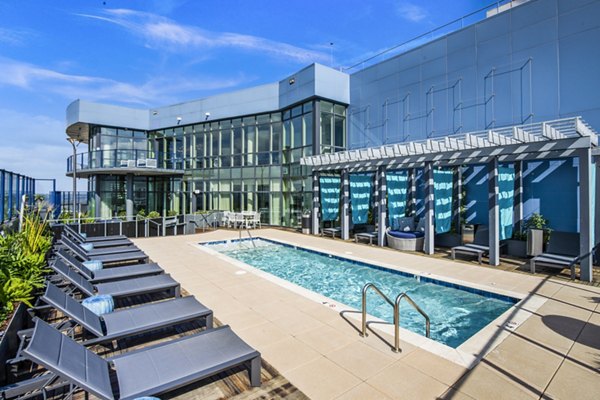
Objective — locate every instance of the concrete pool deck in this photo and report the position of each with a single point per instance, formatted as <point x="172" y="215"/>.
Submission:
<point x="554" y="353"/>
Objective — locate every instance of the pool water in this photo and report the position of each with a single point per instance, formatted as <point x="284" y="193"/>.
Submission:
<point x="456" y="312"/>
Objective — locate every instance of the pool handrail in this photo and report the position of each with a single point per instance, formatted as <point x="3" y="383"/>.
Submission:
<point x="396" y="306"/>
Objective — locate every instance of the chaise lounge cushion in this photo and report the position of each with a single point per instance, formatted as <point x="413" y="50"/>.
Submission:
<point x="406" y="235"/>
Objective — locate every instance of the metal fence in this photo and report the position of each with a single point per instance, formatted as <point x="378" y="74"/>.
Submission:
<point x="12" y="188"/>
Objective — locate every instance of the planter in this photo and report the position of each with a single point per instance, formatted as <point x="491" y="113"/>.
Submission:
<point x="467" y="233"/>
<point x="516" y="248"/>
<point x="448" y="239"/>
<point x="10" y="341"/>
<point x="535" y="242"/>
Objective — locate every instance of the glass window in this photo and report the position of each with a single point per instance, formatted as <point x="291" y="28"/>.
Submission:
<point x="215" y="143"/>
<point x="264" y="138"/>
<point x="297" y="132"/>
<point x="326" y="106"/>
<point x="308" y="129"/>
<point x="238" y="147"/>
<point x="296" y="111"/>
<point x="200" y="145"/>
<point x="340" y="131"/>
<point x="250" y="134"/>
<point x="339" y="109"/>
<point x="226" y="142"/>
<point x="326" y="128"/>
<point x="276" y="136"/>
<point x="308" y="107"/>
<point x="287" y="134"/>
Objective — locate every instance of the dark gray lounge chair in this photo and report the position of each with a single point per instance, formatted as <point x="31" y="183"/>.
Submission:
<point x="129" y="321"/>
<point x="562" y="252"/>
<point x="111" y="273"/>
<point x="65" y="240"/>
<point x="94" y="239"/>
<point x="124" y="288"/>
<point x="123" y="258"/>
<point x="147" y="372"/>
<point x="480" y="246"/>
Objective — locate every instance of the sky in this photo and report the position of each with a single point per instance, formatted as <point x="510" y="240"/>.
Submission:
<point x="147" y="53"/>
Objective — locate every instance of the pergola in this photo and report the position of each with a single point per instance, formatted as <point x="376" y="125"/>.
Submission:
<point x="549" y="140"/>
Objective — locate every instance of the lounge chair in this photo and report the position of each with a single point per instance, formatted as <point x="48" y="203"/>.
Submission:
<point x="479" y="248"/>
<point x="146" y="372"/>
<point x="406" y="236"/>
<point x="562" y="252"/>
<point x="81" y="239"/>
<point x="111" y="273"/>
<point x="124" y="288"/>
<point x="66" y="241"/>
<point x="127" y="257"/>
<point x="129" y="321"/>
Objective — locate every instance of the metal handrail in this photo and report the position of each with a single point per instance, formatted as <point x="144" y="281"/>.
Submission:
<point x="396" y="306"/>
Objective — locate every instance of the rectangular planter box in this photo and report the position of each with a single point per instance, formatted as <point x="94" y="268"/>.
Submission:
<point x="10" y="341"/>
<point x="448" y="239"/>
<point x="516" y="248"/>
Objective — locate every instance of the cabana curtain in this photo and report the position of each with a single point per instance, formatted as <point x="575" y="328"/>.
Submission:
<point x="330" y="197"/>
<point x="361" y="186"/>
<point x="506" y="188"/>
<point x="442" y="186"/>
<point x="397" y="189"/>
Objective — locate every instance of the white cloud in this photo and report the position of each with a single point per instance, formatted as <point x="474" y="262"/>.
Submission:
<point x="166" y="34"/>
<point x="32" y="77"/>
<point x="13" y="37"/>
<point x="411" y="12"/>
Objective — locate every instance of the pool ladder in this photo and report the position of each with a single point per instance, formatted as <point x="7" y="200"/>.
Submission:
<point x="396" y="306"/>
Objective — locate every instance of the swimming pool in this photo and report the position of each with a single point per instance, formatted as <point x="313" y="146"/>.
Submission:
<point x="456" y="312"/>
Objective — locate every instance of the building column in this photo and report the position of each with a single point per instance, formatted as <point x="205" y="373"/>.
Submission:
<point x="429" y="244"/>
<point x="457" y="196"/>
<point x="315" y="203"/>
<point x="493" y="212"/>
<point x="586" y="222"/>
<point x="412" y="192"/>
<point x="129" y="196"/>
<point x="381" y="205"/>
<point x="345" y="217"/>
<point x="518" y="199"/>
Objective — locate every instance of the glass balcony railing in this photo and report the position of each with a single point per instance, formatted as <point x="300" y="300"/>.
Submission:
<point x="102" y="159"/>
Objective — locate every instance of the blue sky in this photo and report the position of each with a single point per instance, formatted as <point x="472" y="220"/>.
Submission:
<point x="149" y="53"/>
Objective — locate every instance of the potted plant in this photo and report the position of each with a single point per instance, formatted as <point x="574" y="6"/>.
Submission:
<point x="535" y="226"/>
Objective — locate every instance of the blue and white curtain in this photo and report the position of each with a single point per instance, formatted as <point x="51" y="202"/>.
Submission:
<point x="361" y="186"/>
<point x="330" y="197"/>
<point x="442" y="193"/>
<point x="506" y="191"/>
<point x="397" y="190"/>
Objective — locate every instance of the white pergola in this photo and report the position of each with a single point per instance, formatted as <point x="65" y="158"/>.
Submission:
<point x="557" y="139"/>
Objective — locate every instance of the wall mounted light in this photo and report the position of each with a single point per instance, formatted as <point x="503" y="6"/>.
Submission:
<point x="178" y="120"/>
<point x="206" y="116"/>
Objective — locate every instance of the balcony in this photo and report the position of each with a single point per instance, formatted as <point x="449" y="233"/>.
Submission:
<point x="122" y="162"/>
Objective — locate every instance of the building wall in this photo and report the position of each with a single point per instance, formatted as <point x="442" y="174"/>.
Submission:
<point x="534" y="62"/>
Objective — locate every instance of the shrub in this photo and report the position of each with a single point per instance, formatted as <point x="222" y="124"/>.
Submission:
<point x="172" y="213"/>
<point x="153" y="214"/>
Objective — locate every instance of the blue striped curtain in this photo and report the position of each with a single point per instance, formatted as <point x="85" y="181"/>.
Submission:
<point x="397" y="189"/>
<point x="361" y="186"/>
<point x="442" y="192"/>
<point x="506" y="190"/>
<point x="330" y="197"/>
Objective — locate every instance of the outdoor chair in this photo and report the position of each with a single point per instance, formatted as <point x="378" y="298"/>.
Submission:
<point x="562" y="252"/>
<point x="253" y="220"/>
<point x="73" y="233"/>
<point x="146" y="372"/>
<point x="110" y="273"/>
<point x="98" y="244"/>
<point x="238" y="220"/>
<point x="405" y="236"/>
<point x="128" y="257"/>
<point x="129" y="321"/>
<point x="123" y="288"/>
<point x="479" y="248"/>
<point x="65" y="240"/>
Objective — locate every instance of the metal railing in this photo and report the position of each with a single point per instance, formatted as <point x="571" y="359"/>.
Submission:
<point x="396" y="306"/>
<point x="100" y="159"/>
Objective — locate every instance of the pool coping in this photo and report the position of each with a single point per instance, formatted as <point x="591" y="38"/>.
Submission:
<point x="468" y="354"/>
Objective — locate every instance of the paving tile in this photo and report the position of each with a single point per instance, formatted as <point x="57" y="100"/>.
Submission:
<point x="272" y="310"/>
<point x="483" y="382"/>
<point x="400" y="381"/>
<point x="363" y="391"/>
<point x="452" y="394"/>
<point x="297" y="322"/>
<point x="325" y="339"/>
<point x="288" y="354"/>
<point x="526" y="361"/>
<point x="360" y="359"/>
<point x="242" y="319"/>
<point x="322" y="379"/>
<point x="263" y="334"/>
<point x="437" y="367"/>
<point x="574" y="382"/>
<point x="535" y="329"/>
<point x="586" y="349"/>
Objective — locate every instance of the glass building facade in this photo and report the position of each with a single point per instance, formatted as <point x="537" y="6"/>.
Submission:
<point x="245" y="163"/>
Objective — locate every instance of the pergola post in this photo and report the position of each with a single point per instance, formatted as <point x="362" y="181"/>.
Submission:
<point x="381" y="205"/>
<point x="493" y="212"/>
<point x="412" y="192"/>
<point x="457" y="196"/>
<point x="518" y="198"/>
<point x="428" y="246"/>
<point x="129" y="196"/>
<point x="315" y="203"/>
<point x="586" y="222"/>
<point x="345" y="217"/>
